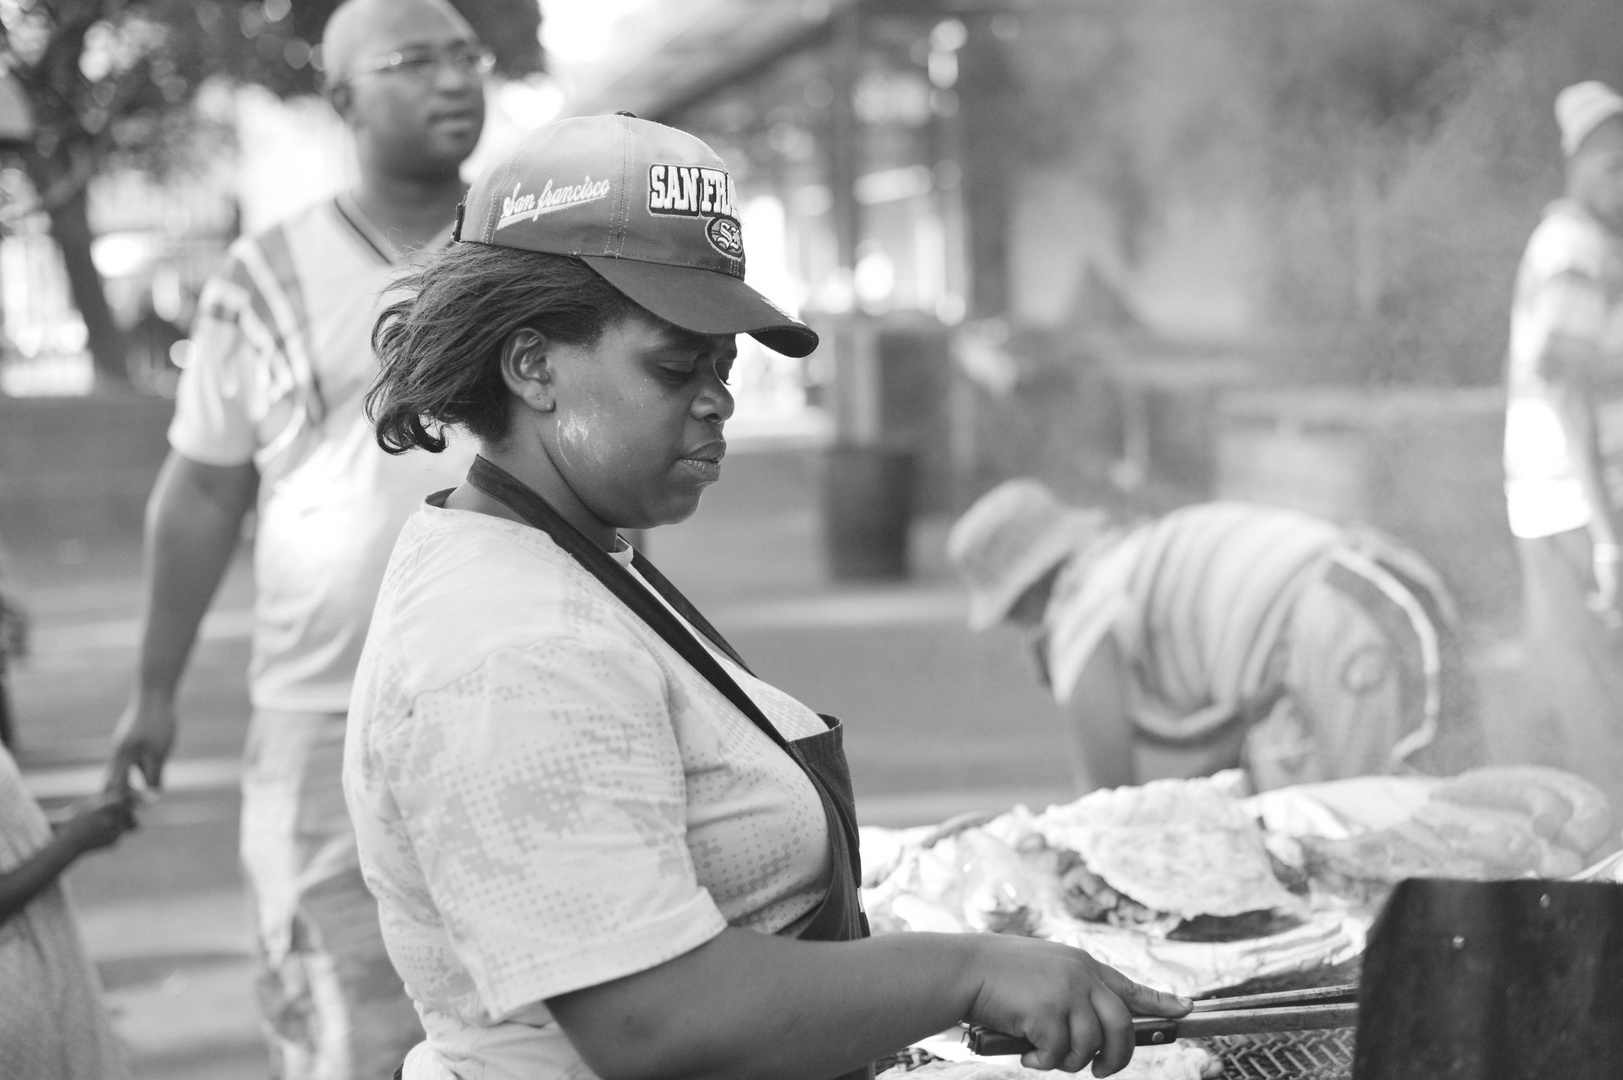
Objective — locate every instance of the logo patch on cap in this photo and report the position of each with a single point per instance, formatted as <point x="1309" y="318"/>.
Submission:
<point x="726" y="236"/>
<point x="527" y="206"/>
<point x="699" y="192"/>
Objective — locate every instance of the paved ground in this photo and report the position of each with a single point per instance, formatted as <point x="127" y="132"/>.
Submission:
<point x="939" y="721"/>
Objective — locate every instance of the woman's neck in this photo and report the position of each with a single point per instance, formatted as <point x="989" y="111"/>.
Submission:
<point x="544" y="480"/>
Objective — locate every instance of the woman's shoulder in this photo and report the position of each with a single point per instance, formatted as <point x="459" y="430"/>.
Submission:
<point x="463" y="585"/>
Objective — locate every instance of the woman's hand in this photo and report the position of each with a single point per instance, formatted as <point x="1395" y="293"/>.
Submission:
<point x="1070" y="1006"/>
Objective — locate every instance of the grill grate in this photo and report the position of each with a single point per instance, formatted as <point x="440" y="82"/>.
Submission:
<point x="1295" y="1055"/>
<point x="1285" y="1055"/>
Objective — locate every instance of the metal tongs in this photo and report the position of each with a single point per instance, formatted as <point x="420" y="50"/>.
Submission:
<point x="1289" y="1010"/>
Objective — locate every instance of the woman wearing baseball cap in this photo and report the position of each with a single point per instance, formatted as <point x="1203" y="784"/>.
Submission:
<point x="600" y="845"/>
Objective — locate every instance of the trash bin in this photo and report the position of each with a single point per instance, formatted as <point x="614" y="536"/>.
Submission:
<point x="867" y="507"/>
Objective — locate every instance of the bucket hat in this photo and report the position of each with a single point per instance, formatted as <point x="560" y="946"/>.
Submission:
<point x="1010" y="538"/>
<point x="650" y="208"/>
<point x="1581" y="108"/>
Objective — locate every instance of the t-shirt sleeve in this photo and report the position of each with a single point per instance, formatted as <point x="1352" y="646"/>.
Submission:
<point x="1563" y="296"/>
<point x="545" y="800"/>
<point x="212" y="422"/>
<point x="1091" y="602"/>
<point x="1571" y="306"/>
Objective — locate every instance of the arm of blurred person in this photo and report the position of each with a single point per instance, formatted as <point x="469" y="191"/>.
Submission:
<point x="1097" y="722"/>
<point x="97" y="823"/>
<point x="194" y="522"/>
<point x="1569" y="363"/>
<point x="765" y="1006"/>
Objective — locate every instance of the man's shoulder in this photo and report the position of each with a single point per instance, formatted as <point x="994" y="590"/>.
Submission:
<point x="1569" y="239"/>
<point x="317" y="223"/>
<point x="319" y="217"/>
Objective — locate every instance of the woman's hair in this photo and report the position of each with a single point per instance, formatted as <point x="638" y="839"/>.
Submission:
<point x="439" y="348"/>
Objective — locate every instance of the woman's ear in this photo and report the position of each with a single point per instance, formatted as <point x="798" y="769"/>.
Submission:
<point x="340" y="97"/>
<point x="526" y="369"/>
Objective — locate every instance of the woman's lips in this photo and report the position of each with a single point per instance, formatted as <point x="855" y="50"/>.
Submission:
<point x="706" y="470"/>
<point x="705" y="461"/>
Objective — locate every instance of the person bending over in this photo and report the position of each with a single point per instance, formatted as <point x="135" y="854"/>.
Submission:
<point x="1224" y="635"/>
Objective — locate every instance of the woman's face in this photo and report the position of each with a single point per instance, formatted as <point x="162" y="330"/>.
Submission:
<point x="636" y="428"/>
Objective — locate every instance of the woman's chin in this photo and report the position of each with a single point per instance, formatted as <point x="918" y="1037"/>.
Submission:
<point x="671" y="511"/>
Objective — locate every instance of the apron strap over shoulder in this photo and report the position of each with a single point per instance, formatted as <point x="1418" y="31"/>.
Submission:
<point x="839" y="917"/>
<point x="514" y="494"/>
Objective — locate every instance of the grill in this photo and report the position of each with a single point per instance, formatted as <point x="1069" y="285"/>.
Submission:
<point x="1296" y="1055"/>
<point x="1293" y="1055"/>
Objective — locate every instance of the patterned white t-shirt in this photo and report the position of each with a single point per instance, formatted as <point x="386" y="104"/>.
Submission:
<point x="1569" y="284"/>
<point x="280" y="364"/>
<point x="547" y="797"/>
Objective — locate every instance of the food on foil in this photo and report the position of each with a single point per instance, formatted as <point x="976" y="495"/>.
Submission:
<point x="961" y="878"/>
<point x="1066" y="884"/>
<point x="1184" y="1060"/>
<point x="1561" y="807"/>
<point x="970" y="880"/>
<point x="1485" y="824"/>
<point x="998" y="894"/>
<point x="1177" y="847"/>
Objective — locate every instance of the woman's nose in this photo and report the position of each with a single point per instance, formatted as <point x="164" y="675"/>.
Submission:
<point x="715" y="401"/>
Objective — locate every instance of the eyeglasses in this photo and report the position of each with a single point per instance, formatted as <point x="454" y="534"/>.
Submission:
<point x="424" y="62"/>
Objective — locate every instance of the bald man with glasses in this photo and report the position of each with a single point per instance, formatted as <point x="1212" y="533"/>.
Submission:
<point x="269" y="416"/>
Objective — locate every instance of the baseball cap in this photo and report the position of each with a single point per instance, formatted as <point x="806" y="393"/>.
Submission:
<point x="1581" y="108"/>
<point x="650" y="208"/>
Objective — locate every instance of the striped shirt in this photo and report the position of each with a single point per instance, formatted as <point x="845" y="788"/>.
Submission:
<point x="1569" y="285"/>
<point x="1195" y="601"/>
<point x="280" y="365"/>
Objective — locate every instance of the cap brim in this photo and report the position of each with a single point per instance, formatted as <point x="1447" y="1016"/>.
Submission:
<point x="706" y="302"/>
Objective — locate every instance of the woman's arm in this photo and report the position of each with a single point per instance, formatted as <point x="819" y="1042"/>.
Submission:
<point x="773" y="1008"/>
<point x="102" y="821"/>
<point x="1101" y="735"/>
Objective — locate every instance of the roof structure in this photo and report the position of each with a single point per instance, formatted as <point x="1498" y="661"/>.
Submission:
<point x="671" y="54"/>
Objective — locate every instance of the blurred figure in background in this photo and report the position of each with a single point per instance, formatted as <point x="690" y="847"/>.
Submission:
<point x="13" y="646"/>
<point x="1564" y="447"/>
<point x="1224" y="635"/>
<point x="53" y="1025"/>
<point x="271" y="405"/>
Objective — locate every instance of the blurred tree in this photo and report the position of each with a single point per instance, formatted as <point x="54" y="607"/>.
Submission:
<point x="115" y="82"/>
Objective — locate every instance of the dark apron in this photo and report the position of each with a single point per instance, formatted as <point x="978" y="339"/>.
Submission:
<point x="839" y="917"/>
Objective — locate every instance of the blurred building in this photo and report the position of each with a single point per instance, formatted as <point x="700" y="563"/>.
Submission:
<point x="882" y="149"/>
<point x="1055" y="238"/>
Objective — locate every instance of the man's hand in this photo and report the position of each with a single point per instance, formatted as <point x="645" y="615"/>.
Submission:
<point x="142" y="740"/>
<point x="1606" y="558"/>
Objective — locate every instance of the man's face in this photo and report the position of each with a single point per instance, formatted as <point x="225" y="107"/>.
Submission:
<point x="1596" y="173"/>
<point x="420" y="116"/>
